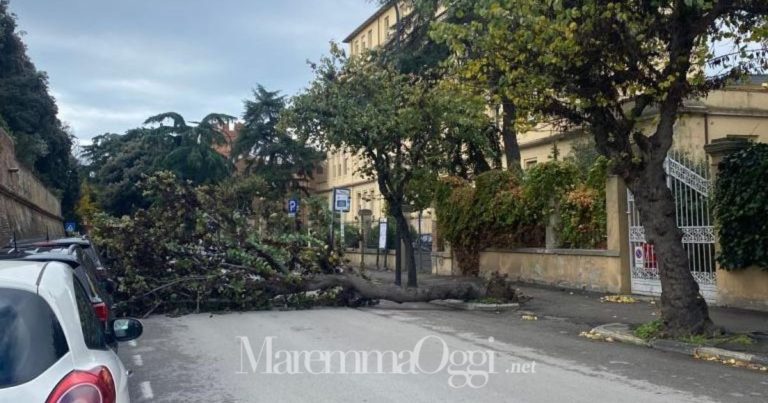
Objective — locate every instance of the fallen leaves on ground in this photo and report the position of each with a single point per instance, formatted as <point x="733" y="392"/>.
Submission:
<point x="592" y="335"/>
<point x="529" y="317"/>
<point x="730" y="362"/>
<point x="619" y="299"/>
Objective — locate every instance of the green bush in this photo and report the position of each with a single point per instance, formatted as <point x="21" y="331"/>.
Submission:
<point x="509" y="209"/>
<point x="740" y="206"/>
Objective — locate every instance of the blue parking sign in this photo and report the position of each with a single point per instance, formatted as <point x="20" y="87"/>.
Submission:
<point x="70" y="226"/>
<point x="293" y="206"/>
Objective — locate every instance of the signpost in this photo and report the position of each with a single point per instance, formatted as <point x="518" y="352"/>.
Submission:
<point x="382" y="241"/>
<point x="383" y="233"/>
<point x="341" y="201"/>
<point x="293" y="207"/>
<point x="639" y="257"/>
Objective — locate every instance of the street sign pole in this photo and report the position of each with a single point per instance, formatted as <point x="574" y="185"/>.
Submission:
<point x="419" y="243"/>
<point x="340" y="204"/>
<point x="333" y="216"/>
<point x="293" y="211"/>
<point x="377" y="255"/>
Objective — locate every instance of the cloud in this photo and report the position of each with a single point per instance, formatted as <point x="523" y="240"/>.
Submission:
<point x="140" y="86"/>
<point x="113" y="64"/>
<point x="130" y="52"/>
<point x="95" y="120"/>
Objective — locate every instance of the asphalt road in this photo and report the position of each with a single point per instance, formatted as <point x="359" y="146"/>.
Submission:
<point x="204" y="358"/>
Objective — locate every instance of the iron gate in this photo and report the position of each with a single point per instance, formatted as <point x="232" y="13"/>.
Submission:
<point x="690" y="185"/>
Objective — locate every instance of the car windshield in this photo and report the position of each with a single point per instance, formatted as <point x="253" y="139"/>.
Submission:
<point x="31" y="338"/>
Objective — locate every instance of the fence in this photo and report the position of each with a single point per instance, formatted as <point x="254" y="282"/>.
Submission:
<point x="367" y="236"/>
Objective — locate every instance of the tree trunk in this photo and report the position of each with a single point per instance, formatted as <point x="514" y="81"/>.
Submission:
<point x="368" y="289"/>
<point x="683" y="309"/>
<point x="509" y="135"/>
<point x="407" y="248"/>
<point x="398" y="256"/>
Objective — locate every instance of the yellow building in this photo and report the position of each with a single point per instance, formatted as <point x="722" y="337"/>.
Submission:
<point x="376" y="30"/>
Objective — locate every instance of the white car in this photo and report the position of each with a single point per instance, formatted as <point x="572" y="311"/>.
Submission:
<point x="53" y="348"/>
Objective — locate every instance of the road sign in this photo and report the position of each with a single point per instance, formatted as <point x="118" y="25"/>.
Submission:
<point x="342" y="200"/>
<point x="383" y="233"/>
<point x="639" y="257"/>
<point x="293" y="207"/>
<point x="70" y="226"/>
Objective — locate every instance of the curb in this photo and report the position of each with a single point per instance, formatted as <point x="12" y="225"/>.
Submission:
<point x="475" y="306"/>
<point x="623" y="333"/>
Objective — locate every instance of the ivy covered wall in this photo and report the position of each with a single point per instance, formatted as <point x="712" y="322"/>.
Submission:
<point x="741" y="208"/>
<point x="507" y="209"/>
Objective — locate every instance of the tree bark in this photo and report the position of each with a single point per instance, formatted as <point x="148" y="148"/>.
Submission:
<point x="368" y="289"/>
<point x="398" y="256"/>
<point x="683" y="309"/>
<point x="406" y="247"/>
<point x="509" y="134"/>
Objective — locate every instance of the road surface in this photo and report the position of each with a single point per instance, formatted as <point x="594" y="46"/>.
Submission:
<point x="205" y="358"/>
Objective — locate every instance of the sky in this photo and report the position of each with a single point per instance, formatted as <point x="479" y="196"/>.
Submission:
<point x="113" y="63"/>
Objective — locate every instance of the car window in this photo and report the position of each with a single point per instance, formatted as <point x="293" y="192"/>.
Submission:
<point x="94" y="255"/>
<point x="31" y="338"/>
<point x="90" y="288"/>
<point x="89" y="263"/>
<point x="93" y="329"/>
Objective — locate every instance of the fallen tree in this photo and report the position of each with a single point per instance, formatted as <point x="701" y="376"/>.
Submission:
<point x="220" y="253"/>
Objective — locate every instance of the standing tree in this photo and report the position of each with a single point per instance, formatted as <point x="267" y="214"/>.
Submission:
<point x="193" y="157"/>
<point x="470" y="32"/>
<point x="603" y="65"/>
<point x="269" y="151"/>
<point x="398" y="123"/>
<point x="114" y="164"/>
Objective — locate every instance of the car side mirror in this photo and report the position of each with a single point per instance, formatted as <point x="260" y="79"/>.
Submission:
<point x="126" y="329"/>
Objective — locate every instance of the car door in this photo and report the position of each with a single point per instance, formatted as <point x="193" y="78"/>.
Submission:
<point x="34" y="351"/>
<point x="94" y="338"/>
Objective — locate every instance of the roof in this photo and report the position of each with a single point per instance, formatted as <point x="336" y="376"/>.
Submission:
<point x="20" y="272"/>
<point x="69" y="260"/>
<point x="66" y="241"/>
<point x="367" y="22"/>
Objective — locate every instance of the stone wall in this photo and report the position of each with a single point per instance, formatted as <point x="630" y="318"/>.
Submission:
<point x="596" y="270"/>
<point x="593" y="270"/>
<point x="27" y="208"/>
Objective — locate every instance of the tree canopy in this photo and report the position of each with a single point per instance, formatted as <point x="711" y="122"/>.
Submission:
<point x="192" y="156"/>
<point x="399" y="124"/>
<point x="115" y="163"/>
<point x="268" y="150"/>
<point x="29" y="113"/>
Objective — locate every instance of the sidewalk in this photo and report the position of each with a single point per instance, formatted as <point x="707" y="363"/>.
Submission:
<point x="586" y="308"/>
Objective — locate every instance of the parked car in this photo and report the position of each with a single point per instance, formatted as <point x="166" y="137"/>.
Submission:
<point x="84" y="243"/>
<point x="53" y="348"/>
<point x="99" y="291"/>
